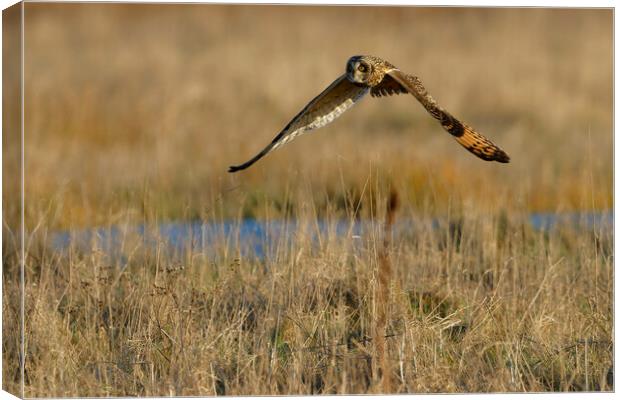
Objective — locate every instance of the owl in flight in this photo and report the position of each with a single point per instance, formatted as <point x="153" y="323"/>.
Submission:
<point x="371" y="74"/>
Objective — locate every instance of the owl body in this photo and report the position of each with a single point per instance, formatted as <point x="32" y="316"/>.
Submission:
<point x="372" y="74"/>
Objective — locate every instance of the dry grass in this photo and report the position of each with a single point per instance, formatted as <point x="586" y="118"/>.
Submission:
<point x="486" y="305"/>
<point x="133" y="114"/>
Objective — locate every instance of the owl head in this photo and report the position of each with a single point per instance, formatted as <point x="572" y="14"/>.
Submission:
<point x="359" y="69"/>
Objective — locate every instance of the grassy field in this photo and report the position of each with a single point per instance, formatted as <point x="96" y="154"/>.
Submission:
<point x="133" y="114"/>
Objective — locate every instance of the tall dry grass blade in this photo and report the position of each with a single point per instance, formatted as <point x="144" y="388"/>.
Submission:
<point x="384" y="275"/>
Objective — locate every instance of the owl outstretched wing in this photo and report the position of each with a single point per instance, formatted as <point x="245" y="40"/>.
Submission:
<point x="396" y="82"/>
<point x="323" y="109"/>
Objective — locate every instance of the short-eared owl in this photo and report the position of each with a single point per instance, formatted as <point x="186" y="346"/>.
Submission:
<point x="368" y="73"/>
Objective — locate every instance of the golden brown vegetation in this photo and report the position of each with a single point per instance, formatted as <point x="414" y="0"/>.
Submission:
<point x="133" y="114"/>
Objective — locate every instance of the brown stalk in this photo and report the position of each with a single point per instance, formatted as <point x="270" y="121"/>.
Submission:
<point x="384" y="276"/>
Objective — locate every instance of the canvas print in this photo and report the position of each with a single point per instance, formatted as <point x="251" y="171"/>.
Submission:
<point x="223" y="200"/>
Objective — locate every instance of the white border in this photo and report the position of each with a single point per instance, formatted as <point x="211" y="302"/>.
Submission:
<point x="479" y="3"/>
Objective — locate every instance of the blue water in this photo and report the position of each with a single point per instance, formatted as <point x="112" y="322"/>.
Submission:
<point x="260" y="238"/>
<point x="252" y="237"/>
<point x="589" y="221"/>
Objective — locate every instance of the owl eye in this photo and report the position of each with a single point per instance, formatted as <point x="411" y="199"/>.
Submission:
<point x="362" y="68"/>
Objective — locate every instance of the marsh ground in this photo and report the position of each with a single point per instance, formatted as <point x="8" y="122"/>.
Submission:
<point x="133" y="114"/>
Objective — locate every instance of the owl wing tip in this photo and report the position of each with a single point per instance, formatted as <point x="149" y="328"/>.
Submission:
<point x="235" y="168"/>
<point x="502" y="157"/>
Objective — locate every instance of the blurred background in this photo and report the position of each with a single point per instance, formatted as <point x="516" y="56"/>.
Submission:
<point x="139" y="109"/>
